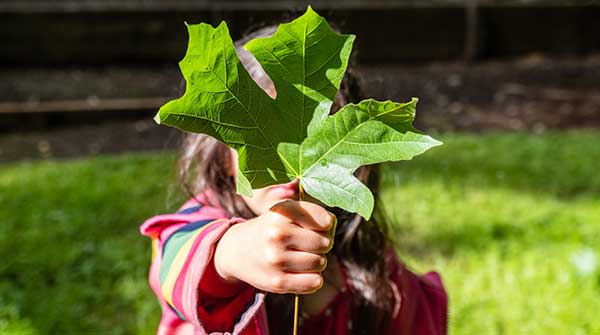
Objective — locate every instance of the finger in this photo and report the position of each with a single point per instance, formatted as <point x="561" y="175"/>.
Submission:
<point x="301" y="262"/>
<point x="305" y="214"/>
<point x="298" y="283"/>
<point x="308" y="240"/>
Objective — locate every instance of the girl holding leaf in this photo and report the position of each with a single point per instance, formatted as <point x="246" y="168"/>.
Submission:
<point x="227" y="263"/>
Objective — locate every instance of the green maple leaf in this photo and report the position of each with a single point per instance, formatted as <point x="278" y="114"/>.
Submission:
<point x="291" y="136"/>
<point x="306" y="61"/>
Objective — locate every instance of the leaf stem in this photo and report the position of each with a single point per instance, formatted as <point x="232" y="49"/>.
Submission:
<point x="300" y="192"/>
<point x="297" y="297"/>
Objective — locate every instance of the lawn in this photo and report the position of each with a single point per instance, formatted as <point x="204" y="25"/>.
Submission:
<point x="511" y="221"/>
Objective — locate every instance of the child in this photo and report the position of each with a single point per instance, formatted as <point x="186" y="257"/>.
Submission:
<point x="225" y="263"/>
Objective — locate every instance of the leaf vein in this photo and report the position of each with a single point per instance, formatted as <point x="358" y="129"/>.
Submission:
<point x="336" y="52"/>
<point x="213" y="121"/>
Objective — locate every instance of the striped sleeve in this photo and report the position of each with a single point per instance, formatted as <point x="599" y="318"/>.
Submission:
<point x="177" y="254"/>
<point x="185" y="280"/>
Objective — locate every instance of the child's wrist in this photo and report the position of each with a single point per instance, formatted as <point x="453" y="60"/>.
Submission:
<point x="221" y="258"/>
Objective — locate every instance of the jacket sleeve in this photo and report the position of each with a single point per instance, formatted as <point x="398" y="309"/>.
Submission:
<point x="183" y="276"/>
<point x="422" y="302"/>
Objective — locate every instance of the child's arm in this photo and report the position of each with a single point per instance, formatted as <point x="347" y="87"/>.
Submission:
<point x="252" y="254"/>
<point x="183" y="278"/>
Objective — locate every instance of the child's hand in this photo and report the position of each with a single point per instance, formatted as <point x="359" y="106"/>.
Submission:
<point x="280" y="251"/>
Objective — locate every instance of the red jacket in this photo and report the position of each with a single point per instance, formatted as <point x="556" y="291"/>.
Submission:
<point x="195" y="300"/>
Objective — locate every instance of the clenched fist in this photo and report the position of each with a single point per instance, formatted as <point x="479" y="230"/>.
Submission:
<point x="281" y="251"/>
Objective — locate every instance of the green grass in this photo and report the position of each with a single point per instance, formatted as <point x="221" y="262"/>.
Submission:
<point x="73" y="260"/>
<point x="506" y="219"/>
<point x="512" y="222"/>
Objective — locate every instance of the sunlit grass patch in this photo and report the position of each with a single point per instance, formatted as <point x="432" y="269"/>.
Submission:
<point x="512" y="222"/>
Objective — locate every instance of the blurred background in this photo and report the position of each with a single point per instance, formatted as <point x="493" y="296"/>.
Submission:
<point x="508" y="210"/>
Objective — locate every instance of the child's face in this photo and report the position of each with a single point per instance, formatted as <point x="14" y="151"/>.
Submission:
<point x="264" y="198"/>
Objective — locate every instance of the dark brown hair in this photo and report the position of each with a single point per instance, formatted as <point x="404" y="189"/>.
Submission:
<point x="359" y="245"/>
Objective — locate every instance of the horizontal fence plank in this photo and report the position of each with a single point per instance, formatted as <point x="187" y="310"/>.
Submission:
<point x="87" y="105"/>
<point x="532" y="93"/>
<point x="383" y="35"/>
<point x="70" y="6"/>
